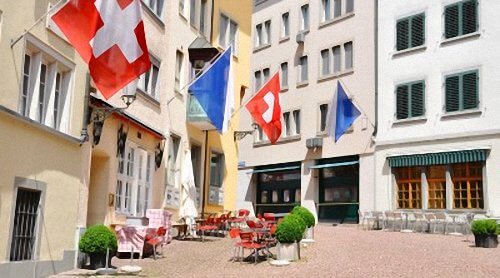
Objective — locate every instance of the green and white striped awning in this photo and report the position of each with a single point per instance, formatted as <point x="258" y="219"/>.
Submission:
<point x="440" y="158"/>
<point x="274" y="169"/>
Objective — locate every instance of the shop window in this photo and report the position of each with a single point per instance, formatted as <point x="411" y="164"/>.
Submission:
<point x="436" y="180"/>
<point x="409" y="187"/>
<point x="467" y="186"/>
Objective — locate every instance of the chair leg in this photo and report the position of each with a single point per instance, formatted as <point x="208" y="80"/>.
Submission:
<point x="154" y="252"/>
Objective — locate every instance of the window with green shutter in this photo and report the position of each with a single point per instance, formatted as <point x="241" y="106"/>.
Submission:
<point x="410" y="32"/>
<point x="462" y="91"/>
<point x="460" y="19"/>
<point x="410" y="100"/>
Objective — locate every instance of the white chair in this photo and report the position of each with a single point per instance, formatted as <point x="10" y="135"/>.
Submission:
<point x="420" y="221"/>
<point x="397" y="219"/>
<point x="441" y="218"/>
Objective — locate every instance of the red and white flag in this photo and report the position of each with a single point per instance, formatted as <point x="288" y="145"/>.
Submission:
<point x="109" y="35"/>
<point x="266" y="110"/>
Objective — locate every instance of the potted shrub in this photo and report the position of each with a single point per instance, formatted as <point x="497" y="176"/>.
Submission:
<point x="309" y="220"/>
<point x="288" y="234"/>
<point x="95" y="242"/>
<point x="485" y="233"/>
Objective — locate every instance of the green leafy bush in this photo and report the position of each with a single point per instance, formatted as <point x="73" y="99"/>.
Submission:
<point x="305" y="214"/>
<point x="484" y="227"/>
<point x="97" y="239"/>
<point x="291" y="229"/>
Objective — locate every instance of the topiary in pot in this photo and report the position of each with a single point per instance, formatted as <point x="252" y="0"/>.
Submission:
<point x="305" y="214"/>
<point x="485" y="233"/>
<point x="95" y="242"/>
<point x="288" y="233"/>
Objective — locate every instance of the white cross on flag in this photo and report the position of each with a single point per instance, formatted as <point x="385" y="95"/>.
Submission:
<point x="109" y="35"/>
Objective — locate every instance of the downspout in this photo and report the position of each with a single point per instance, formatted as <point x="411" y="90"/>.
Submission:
<point x="212" y="22"/>
<point x="84" y="134"/>
<point x="205" y="175"/>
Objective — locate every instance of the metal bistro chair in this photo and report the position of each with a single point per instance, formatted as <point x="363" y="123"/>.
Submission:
<point x="388" y="220"/>
<point x="420" y="221"/>
<point x="397" y="218"/>
<point x="441" y="218"/>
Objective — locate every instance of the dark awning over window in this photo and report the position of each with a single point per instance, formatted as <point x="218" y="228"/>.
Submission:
<point x="438" y="158"/>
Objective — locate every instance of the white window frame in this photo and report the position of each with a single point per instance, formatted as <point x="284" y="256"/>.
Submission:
<point x="29" y="104"/>
<point x="285" y="26"/>
<point x="284" y="76"/>
<point x="263" y="77"/>
<point x="326" y="10"/>
<point x="216" y="193"/>
<point x="305" y="24"/>
<point x="149" y="75"/>
<point x="153" y="5"/>
<point x="295" y="121"/>
<point x="225" y="37"/>
<point x="179" y="70"/>
<point x="303" y="77"/>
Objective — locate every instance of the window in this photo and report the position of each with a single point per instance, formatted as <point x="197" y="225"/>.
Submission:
<point x="436" y="183"/>
<point x="303" y="74"/>
<point x="409" y="187"/>
<point x="260" y="134"/>
<point x="337" y="9"/>
<point x="349" y="6"/>
<point x="285" y="25"/>
<point x="326" y="10"/>
<point x="134" y="181"/>
<point x="25" y="222"/>
<point x="228" y="33"/>
<point x="286" y="122"/>
<point x="410" y="32"/>
<point x="182" y="7"/>
<point x="148" y="81"/>
<point x="196" y="160"/>
<point x="192" y="12"/>
<point x="461" y="91"/>
<point x="179" y="61"/>
<point x="45" y="85"/>
<point x="156" y="6"/>
<point x="277" y="191"/>
<point x="304" y="22"/>
<point x="348" y="55"/>
<point x="323" y="113"/>
<point x="296" y="120"/>
<point x="410" y="100"/>
<point x="284" y="75"/>
<point x="259" y="35"/>
<point x="336" y="59"/>
<point x="260" y="77"/>
<point x="216" y="178"/>
<point x="267" y="26"/>
<point x="467" y="185"/>
<point x="460" y="19"/>
<point x="325" y="62"/>
<point x="203" y="15"/>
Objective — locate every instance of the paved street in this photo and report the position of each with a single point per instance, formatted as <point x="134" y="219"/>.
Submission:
<point x="341" y="251"/>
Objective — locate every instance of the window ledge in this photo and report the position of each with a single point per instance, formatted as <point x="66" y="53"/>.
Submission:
<point x="284" y="39"/>
<point x="471" y="36"/>
<point x="261" y="47"/>
<point x="302" y="84"/>
<point x="335" y="75"/>
<point x="407" y="51"/>
<point x="148" y="97"/>
<point x="470" y="112"/>
<point x="290" y="138"/>
<point x="410" y="120"/>
<point x="322" y="134"/>
<point x="284" y="89"/>
<point x="335" y="20"/>
<point x="261" y="143"/>
<point x="153" y="15"/>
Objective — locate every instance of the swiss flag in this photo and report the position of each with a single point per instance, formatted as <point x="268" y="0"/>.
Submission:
<point x="266" y="110"/>
<point x="109" y="35"/>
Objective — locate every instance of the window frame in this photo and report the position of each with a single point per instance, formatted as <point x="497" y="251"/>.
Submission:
<point x="305" y="25"/>
<point x="409" y="42"/>
<point x="227" y="33"/>
<point x="285" y="28"/>
<point x="409" y="100"/>
<point x="302" y="66"/>
<point x="460" y="22"/>
<point x="179" y="70"/>
<point x="460" y="75"/>
<point x="284" y="85"/>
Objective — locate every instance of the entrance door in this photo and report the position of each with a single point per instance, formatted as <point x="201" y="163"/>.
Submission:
<point x="278" y="191"/>
<point x="339" y="192"/>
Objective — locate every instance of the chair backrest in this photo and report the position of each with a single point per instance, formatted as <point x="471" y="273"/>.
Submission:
<point x="269" y="216"/>
<point x="243" y="213"/>
<point x="441" y="215"/>
<point x="234" y="233"/>
<point x="161" y="231"/>
<point x="396" y="214"/>
<point x="388" y="214"/>
<point x="419" y="215"/>
<point x="251" y="224"/>
<point x="246" y="236"/>
<point x="430" y="216"/>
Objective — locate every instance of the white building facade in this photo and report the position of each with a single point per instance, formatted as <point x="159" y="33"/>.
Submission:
<point x="438" y="143"/>
<point x="314" y="45"/>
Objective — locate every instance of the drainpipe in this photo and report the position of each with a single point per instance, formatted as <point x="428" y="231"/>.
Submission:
<point x="84" y="134"/>
<point x="375" y="129"/>
<point x="212" y="22"/>
<point x="205" y="175"/>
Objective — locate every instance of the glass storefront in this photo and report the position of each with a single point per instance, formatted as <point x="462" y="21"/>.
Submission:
<point x="278" y="188"/>
<point x="338" y="189"/>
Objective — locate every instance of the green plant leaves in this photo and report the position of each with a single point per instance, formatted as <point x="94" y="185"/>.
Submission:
<point x="97" y="239"/>
<point x="305" y="214"/>
<point x="484" y="227"/>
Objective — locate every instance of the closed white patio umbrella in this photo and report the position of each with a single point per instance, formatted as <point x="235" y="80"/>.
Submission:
<point x="188" y="193"/>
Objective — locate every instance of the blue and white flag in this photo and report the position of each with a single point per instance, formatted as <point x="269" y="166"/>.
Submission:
<point x="214" y="90"/>
<point x="342" y="113"/>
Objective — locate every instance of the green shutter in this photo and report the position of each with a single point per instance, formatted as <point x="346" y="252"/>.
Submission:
<point x="470" y="91"/>
<point x="451" y="21"/>
<point x="418" y="30"/>
<point x="403" y="34"/>
<point x="469" y="17"/>
<point x="452" y="92"/>
<point x="417" y="99"/>
<point x="402" y="102"/>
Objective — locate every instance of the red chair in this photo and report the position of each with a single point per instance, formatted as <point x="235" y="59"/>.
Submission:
<point x="156" y="238"/>
<point x="240" y="217"/>
<point x="247" y="242"/>
<point x="208" y="225"/>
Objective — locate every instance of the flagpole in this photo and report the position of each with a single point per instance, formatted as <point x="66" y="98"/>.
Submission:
<point x="14" y="42"/>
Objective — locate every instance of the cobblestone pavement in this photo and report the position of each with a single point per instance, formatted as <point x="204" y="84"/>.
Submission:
<point x="341" y="251"/>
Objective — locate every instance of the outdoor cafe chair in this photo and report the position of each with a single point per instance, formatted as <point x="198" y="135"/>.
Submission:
<point x="397" y="219"/>
<point x="440" y="218"/>
<point x="241" y="217"/>
<point x="247" y="242"/>
<point x="156" y="239"/>
<point x="420" y="222"/>
<point x="234" y="234"/>
<point x="388" y="220"/>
